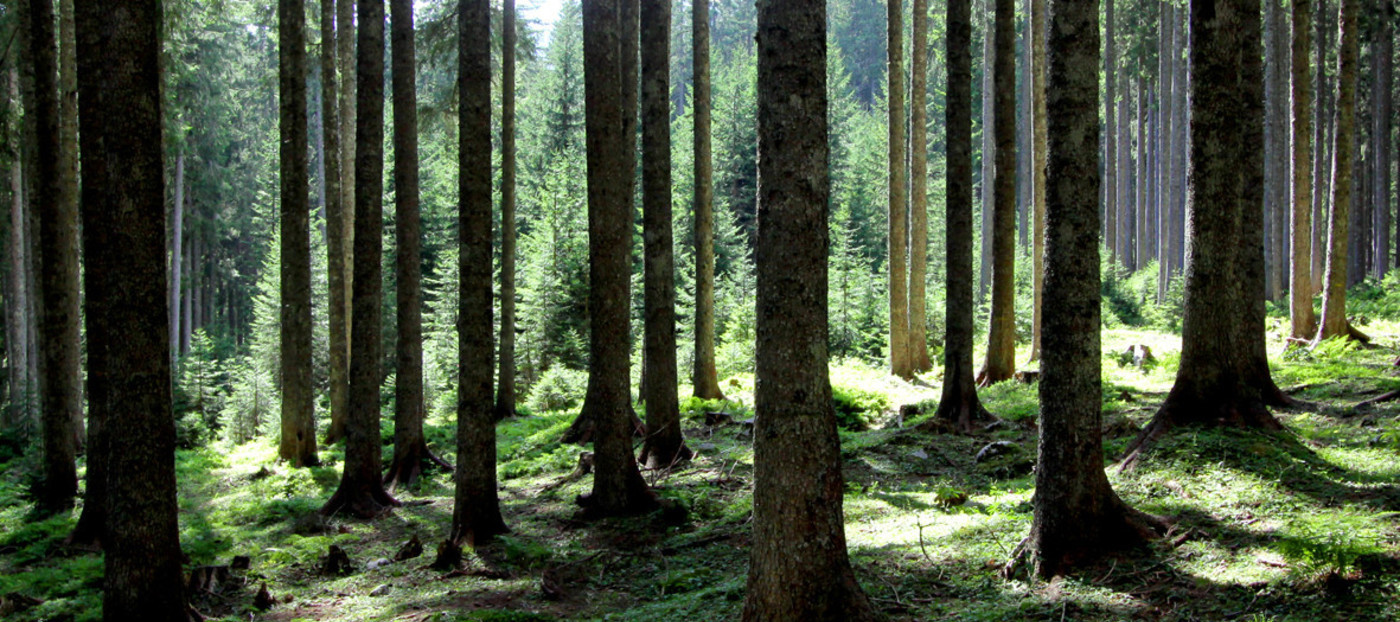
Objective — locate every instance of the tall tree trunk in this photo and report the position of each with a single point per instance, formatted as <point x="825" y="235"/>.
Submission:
<point x="704" y="378"/>
<point x="1382" y="52"/>
<point x="1302" y="320"/>
<point x="411" y="454"/>
<point x="959" y="407"/>
<point x="476" y="513"/>
<point x="1322" y="148"/>
<point x="1217" y="381"/>
<point x="1038" y="155"/>
<point x="1122" y="238"/>
<point x="798" y="567"/>
<point x="60" y="388"/>
<point x="1278" y="163"/>
<point x="897" y="236"/>
<point x="16" y="339"/>
<point x="298" y="443"/>
<point x="1275" y="188"/>
<point x="68" y="186"/>
<point x="1334" y="298"/>
<point x="1001" y="342"/>
<point x="610" y="56"/>
<point x="1166" y="123"/>
<point x="987" y="154"/>
<point x="361" y="491"/>
<point x="505" y="386"/>
<point x="177" y="254"/>
<point x="1110" y="140"/>
<point x="918" y="185"/>
<point x="1181" y="145"/>
<point x="345" y="50"/>
<point x="1078" y="517"/>
<point x="123" y="213"/>
<point x="664" y="445"/>
<point x="337" y="239"/>
<point x="187" y="303"/>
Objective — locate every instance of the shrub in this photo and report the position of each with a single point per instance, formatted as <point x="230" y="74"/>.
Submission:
<point x="856" y="407"/>
<point x="559" y="388"/>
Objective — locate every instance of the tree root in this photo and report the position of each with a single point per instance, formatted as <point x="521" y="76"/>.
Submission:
<point x="405" y="469"/>
<point x="967" y="417"/>
<point x="1136" y="529"/>
<point x="1388" y="397"/>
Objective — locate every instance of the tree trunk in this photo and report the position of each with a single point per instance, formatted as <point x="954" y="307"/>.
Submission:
<point x="123" y="213"/>
<point x="336" y="208"/>
<point x="1275" y="188"/>
<point x="1110" y="142"/>
<point x="298" y="443"/>
<point x="1334" y="299"/>
<point x="1001" y="341"/>
<point x="664" y="446"/>
<point x="1038" y="147"/>
<point x="897" y="236"/>
<point x="959" y="407"/>
<point x="705" y="378"/>
<point x="187" y="304"/>
<point x="411" y="453"/>
<point x="1122" y="238"/>
<point x="1167" y="124"/>
<point x="1217" y="383"/>
<point x="361" y="491"/>
<point x="1322" y="146"/>
<point x="68" y="185"/>
<point x="60" y="382"/>
<point x="918" y="184"/>
<point x="17" y="291"/>
<point x="345" y="50"/>
<point x="610" y="55"/>
<point x="1382" y="52"/>
<point x="798" y="568"/>
<point x="476" y="513"/>
<point x="1078" y="517"/>
<point x="1302" y="320"/>
<point x="177" y="254"/>
<point x="505" y="387"/>
<point x="988" y="148"/>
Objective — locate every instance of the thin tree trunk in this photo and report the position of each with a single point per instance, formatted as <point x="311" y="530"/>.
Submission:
<point x="337" y="281"/>
<point x="1303" y="322"/>
<point x="1382" y="52"/>
<point x="60" y="387"/>
<point x="1334" y="301"/>
<point x="897" y="235"/>
<point x="959" y="407"/>
<point x="1110" y="140"/>
<point x="177" y="254"/>
<point x="987" y="154"/>
<point x="16" y="297"/>
<point x="1167" y="125"/>
<point x="476" y="513"/>
<point x="411" y="453"/>
<point x="298" y="442"/>
<point x="798" y="568"/>
<point x="187" y="304"/>
<point x="918" y="201"/>
<point x="123" y="213"/>
<point x="505" y="386"/>
<point x="704" y="377"/>
<point x="1322" y="149"/>
<point x="1078" y="517"/>
<point x="1001" y="342"/>
<point x="664" y="445"/>
<point x="361" y="491"/>
<point x="68" y="186"/>
<point x="345" y="49"/>
<point x="1038" y="155"/>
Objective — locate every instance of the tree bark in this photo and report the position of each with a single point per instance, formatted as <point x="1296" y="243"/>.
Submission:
<point x="177" y="254"/>
<point x="705" y="378"/>
<point x="664" y="445"/>
<point x="361" y="491"/>
<point x="298" y="442"/>
<point x="959" y="407"/>
<point x="1218" y="381"/>
<point x="798" y="568"/>
<point x="1302" y="320"/>
<point x="1110" y="141"/>
<point x="1322" y="147"/>
<point x="1000" y="363"/>
<point x="918" y="184"/>
<point x="60" y="380"/>
<point x="123" y="213"/>
<point x="411" y="453"/>
<point x="17" y="294"/>
<point x="987" y="153"/>
<point x="505" y="386"/>
<point x="476" y="514"/>
<point x="336" y="166"/>
<point x="610" y="62"/>
<point x="897" y="236"/>
<point x="1334" y="299"/>
<point x="1382" y="64"/>
<point x="1078" y="517"/>
<point x="1038" y="156"/>
<point x="345" y="51"/>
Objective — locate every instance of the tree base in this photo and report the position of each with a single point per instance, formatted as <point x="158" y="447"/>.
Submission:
<point x="965" y="416"/>
<point x="988" y="376"/>
<point x="365" y="500"/>
<point x="636" y="501"/>
<point x="655" y="456"/>
<point x="581" y="431"/>
<point x="407" y="467"/>
<point x="477" y="528"/>
<point x="1118" y="530"/>
<point x="1178" y="411"/>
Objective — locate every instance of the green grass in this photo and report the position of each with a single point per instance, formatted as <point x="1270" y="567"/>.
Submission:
<point x="1299" y="526"/>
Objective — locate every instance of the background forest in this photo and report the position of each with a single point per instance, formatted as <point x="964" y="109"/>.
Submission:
<point x="1268" y="528"/>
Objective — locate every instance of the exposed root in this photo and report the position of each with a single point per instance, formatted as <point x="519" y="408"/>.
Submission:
<point x="580" y="432"/>
<point x="1123" y="529"/>
<point x="1388" y="397"/>
<point x="365" y="501"/>
<point x="966" y="417"/>
<point x="407" y="467"/>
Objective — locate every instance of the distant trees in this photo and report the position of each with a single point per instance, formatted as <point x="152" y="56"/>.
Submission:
<point x="798" y="567"/>
<point x="127" y="326"/>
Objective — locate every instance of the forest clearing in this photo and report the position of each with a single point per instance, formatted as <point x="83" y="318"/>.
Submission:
<point x="1294" y="526"/>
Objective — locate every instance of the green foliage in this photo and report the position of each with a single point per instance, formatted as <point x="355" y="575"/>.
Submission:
<point x="1333" y="544"/>
<point x="560" y="388"/>
<point x="857" y="407"/>
<point x="1372" y="299"/>
<point x="695" y="408"/>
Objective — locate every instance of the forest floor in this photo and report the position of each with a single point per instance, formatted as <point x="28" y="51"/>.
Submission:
<point x="1294" y="526"/>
